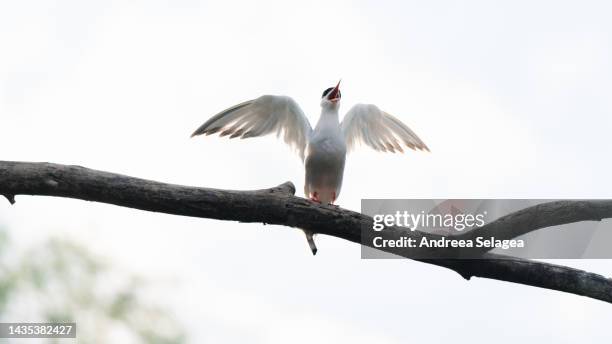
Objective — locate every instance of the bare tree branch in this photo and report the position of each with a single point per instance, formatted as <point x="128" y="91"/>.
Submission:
<point x="541" y="216"/>
<point x="279" y="206"/>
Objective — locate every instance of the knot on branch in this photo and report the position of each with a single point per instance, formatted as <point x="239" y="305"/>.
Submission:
<point x="10" y="198"/>
<point x="466" y="275"/>
<point x="285" y="188"/>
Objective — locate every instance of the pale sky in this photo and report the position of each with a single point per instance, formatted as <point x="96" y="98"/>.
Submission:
<point x="513" y="98"/>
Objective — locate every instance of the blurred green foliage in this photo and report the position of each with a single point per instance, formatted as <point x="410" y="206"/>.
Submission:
<point x="60" y="281"/>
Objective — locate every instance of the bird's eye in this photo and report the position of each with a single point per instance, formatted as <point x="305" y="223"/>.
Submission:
<point x="326" y="92"/>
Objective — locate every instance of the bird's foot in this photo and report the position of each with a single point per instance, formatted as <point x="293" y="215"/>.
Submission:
<point x="315" y="197"/>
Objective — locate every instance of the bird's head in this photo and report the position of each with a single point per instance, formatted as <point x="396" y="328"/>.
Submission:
<point x="331" y="96"/>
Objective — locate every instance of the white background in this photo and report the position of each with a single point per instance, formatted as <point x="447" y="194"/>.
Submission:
<point x="513" y="98"/>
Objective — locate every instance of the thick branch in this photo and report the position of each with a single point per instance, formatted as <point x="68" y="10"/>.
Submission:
<point x="279" y="206"/>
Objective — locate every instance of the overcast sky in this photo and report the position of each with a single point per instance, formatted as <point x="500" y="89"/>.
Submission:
<point x="513" y="98"/>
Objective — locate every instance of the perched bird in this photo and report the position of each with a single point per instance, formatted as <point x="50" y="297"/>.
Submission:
<point x="323" y="149"/>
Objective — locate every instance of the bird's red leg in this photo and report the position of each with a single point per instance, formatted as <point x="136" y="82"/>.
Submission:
<point x="333" y="197"/>
<point x="315" y="197"/>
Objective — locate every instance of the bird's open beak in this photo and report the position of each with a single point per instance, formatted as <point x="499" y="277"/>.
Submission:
<point x="333" y="95"/>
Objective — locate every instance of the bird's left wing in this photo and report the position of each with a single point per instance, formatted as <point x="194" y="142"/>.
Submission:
<point x="262" y="116"/>
<point x="366" y="123"/>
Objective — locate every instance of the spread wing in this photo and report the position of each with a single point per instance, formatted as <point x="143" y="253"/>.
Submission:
<point x="366" y="123"/>
<point x="262" y="116"/>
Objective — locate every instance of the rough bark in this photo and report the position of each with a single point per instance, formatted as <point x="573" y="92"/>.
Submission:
<point x="279" y="206"/>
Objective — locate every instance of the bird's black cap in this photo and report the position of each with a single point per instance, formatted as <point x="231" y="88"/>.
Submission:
<point x="326" y="92"/>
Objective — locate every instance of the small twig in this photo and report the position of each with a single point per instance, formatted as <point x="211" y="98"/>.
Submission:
<point x="10" y="198"/>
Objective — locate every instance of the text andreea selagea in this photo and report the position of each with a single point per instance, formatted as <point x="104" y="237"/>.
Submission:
<point x="444" y="242"/>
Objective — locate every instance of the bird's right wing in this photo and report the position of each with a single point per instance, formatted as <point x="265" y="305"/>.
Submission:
<point x="262" y="116"/>
<point x="366" y="123"/>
